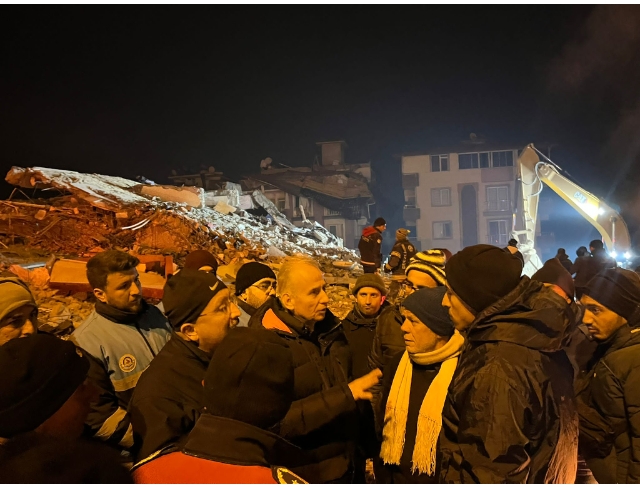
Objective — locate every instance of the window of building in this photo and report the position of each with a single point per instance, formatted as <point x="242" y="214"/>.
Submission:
<point x="337" y="230"/>
<point x="281" y="203"/>
<point x="328" y="212"/>
<point x="499" y="232"/>
<point x="484" y="159"/>
<point x="440" y="163"/>
<point x="498" y="198"/>
<point x="502" y="158"/>
<point x="442" y="230"/>
<point x="410" y="198"/>
<point x="468" y="161"/>
<point x="440" y="197"/>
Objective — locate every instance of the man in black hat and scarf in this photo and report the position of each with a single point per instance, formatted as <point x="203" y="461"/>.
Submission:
<point x="612" y="315"/>
<point x="509" y="416"/>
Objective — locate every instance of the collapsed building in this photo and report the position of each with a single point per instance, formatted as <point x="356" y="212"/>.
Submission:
<point x="77" y="215"/>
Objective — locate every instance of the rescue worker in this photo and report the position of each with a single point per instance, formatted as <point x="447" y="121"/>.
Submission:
<point x="18" y="310"/>
<point x="581" y="277"/>
<point x="255" y="283"/>
<point x="201" y="260"/>
<point x="415" y="387"/>
<point x="248" y="389"/>
<point x="43" y="387"/>
<point x="509" y="414"/>
<point x="323" y="418"/>
<point x="360" y="324"/>
<point x="401" y="253"/>
<point x="369" y="246"/>
<point x="121" y="337"/>
<point x="166" y="402"/>
<point x="612" y="315"/>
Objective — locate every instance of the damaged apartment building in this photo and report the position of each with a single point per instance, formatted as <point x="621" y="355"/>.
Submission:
<point x="330" y="192"/>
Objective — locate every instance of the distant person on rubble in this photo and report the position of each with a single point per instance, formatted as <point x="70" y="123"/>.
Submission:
<point x="166" y="401"/>
<point x="201" y="260"/>
<point x="589" y="266"/>
<point x="401" y="253"/>
<point x="564" y="260"/>
<point x="255" y="283"/>
<point x="369" y="246"/>
<point x="324" y="418"/>
<point x="248" y="390"/>
<point x="18" y="310"/>
<point x="121" y="336"/>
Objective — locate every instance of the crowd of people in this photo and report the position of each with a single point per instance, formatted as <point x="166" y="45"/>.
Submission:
<point x="462" y="370"/>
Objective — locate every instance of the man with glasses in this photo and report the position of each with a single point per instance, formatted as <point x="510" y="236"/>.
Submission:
<point x="255" y="283"/>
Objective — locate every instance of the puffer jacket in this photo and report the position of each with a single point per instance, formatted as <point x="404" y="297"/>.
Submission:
<point x="614" y="394"/>
<point x="369" y="247"/>
<point x="323" y="418"/>
<point x="514" y="382"/>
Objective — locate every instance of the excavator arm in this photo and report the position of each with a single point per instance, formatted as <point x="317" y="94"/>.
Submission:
<point x="533" y="173"/>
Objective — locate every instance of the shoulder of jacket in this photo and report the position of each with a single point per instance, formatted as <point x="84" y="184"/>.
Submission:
<point x="283" y="475"/>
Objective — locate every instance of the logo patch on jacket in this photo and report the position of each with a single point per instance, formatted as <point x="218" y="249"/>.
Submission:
<point x="286" y="476"/>
<point x="127" y="362"/>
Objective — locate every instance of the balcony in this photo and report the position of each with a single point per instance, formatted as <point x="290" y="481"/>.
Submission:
<point x="410" y="214"/>
<point x="410" y="181"/>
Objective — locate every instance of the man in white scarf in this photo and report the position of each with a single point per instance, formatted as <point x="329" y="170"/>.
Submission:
<point x="415" y="390"/>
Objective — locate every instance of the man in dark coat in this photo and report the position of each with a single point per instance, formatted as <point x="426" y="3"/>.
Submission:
<point x="401" y="254"/>
<point x="612" y="316"/>
<point x="359" y="326"/>
<point x="323" y="418"/>
<point x="369" y="246"/>
<point x="248" y="389"/>
<point x="509" y="415"/>
<point x="166" y="402"/>
<point x="586" y="268"/>
<point x="564" y="260"/>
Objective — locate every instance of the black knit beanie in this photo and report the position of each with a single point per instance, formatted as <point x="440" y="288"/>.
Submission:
<point x="553" y="272"/>
<point x="370" y="280"/>
<point x="379" y="222"/>
<point x="619" y="290"/>
<point x="187" y="294"/>
<point x="39" y="373"/>
<point x="250" y="378"/>
<point x="250" y="273"/>
<point x="200" y="258"/>
<point x="426" y="304"/>
<point x="482" y="274"/>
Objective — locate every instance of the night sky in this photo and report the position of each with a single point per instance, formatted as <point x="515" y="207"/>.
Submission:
<point x="143" y="90"/>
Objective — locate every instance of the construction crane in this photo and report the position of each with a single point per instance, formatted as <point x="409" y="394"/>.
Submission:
<point x="534" y="170"/>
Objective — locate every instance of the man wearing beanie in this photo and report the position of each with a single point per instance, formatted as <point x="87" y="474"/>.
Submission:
<point x="43" y="387"/>
<point x="509" y="416"/>
<point x="401" y="253"/>
<point x="248" y="389"/>
<point x="18" y="310"/>
<point x="425" y="270"/>
<point x="414" y="390"/>
<point x="255" y="283"/>
<point x="369" y="246"/>
<point x="323" y="418"/>
<point x="612" y="316"/>
<point x="360" y="324"/>
<point x="166" y="402"/>
<point x="121" y="337"/>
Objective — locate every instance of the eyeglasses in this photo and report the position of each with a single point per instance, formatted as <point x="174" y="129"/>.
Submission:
<point x="407" y="284"/>
<point x="265" y="286"/>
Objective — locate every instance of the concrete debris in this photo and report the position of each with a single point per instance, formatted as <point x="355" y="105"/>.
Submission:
<point x="224" y="208"/>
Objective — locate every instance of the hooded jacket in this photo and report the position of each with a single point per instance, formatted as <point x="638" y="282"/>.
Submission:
<point x="166" y="403"/>
<point x="513" y="384"/>
<point x="323" y="417"/>
<point x="369" y="247"/>
<point x="614" y="394"/>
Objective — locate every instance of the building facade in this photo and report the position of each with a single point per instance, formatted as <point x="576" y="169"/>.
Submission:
<point x="460" y="196"/>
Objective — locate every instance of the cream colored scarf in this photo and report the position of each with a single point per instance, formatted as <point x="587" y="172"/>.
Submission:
<point x="430" y="416"/>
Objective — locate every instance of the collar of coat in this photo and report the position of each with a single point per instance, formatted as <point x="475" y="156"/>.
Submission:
<point x="623" y="337"/>
<point x="356" y="319"/>
<point x="276" y="317"/>
<point x="189" y="348"/>
<point x="239" y="443"/>
<point x="531" y="315"/>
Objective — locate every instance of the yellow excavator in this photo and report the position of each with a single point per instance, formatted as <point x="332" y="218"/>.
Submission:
<point x="533" y="171"/>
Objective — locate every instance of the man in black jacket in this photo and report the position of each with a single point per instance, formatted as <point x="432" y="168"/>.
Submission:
<point x="586" y="268"/>
<point x="509" y="414"/>
<point x="612" y="315"/>
<point x="323" y="418"/>
<point x="369" y="246"/>
<point x="166" y="402"/>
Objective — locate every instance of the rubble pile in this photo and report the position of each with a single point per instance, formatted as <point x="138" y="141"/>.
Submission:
<point x="89" y="213"/>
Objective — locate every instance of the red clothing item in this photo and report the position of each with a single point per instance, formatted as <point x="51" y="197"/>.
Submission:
<point x="178" y="468"/>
